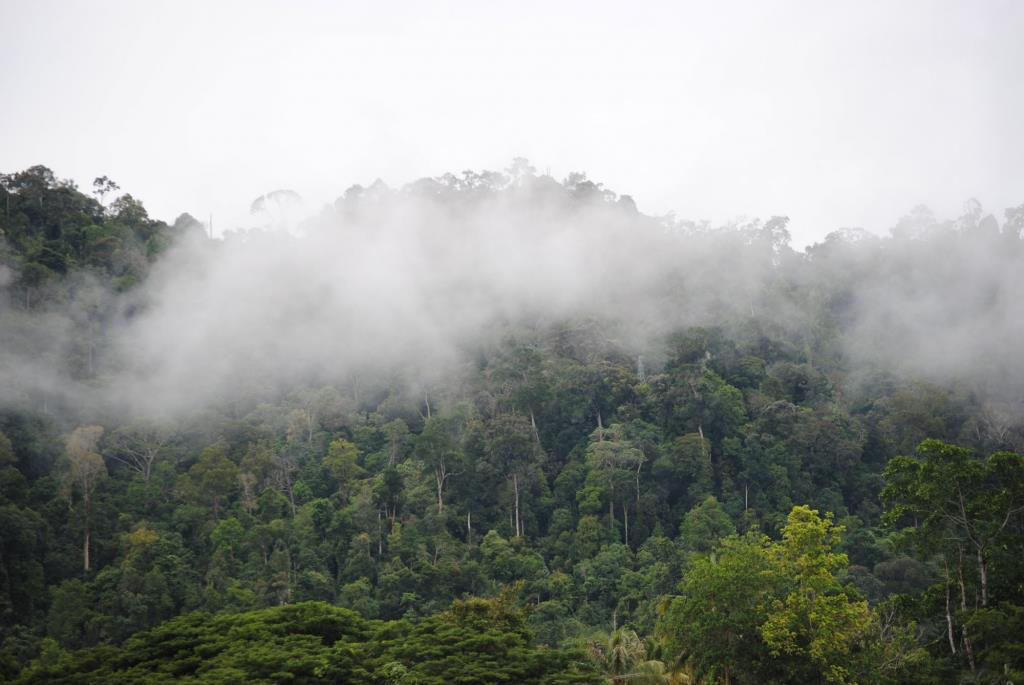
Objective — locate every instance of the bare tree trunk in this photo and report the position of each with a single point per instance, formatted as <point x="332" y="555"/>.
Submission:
<point x="85" y="547"/>
<point x="983" y="572"/>
<point x="87" y="533"/>
<point x="963" y="607"/>
<point x="949" y="615"/>
<point x="439" y="477"/>
<point x="469" y="528"/>
<point x="515" y="485"/>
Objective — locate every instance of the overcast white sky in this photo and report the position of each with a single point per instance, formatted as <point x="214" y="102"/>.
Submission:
<point x="837" y="114"/>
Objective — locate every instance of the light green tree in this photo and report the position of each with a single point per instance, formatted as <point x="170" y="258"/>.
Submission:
<point x="759" y="611"/>
<point x="816" y="621"/>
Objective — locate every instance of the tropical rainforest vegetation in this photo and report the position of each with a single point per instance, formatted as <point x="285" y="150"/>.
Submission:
<point x="766" y="490"/>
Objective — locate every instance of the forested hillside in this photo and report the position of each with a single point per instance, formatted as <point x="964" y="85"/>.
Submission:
<point x="494" y="427"/>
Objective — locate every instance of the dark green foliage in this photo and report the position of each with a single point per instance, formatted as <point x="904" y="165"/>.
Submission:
<point x="592" y="475"/>
<point x="478" y="641"/>
<point x="52" y="229"/>
<point x="963" y="514"/>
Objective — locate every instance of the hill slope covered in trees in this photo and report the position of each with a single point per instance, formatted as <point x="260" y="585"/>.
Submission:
<point x="664" y="450"/>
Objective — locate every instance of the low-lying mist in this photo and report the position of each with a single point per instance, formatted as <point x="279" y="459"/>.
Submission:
<point x="418" y="281"/>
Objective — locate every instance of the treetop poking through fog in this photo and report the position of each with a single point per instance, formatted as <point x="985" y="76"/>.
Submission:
<point x="419" y="279"/>
<point x="836" y="114"/>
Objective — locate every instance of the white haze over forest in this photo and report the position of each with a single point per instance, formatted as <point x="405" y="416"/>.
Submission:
<point x="412" y="283"/>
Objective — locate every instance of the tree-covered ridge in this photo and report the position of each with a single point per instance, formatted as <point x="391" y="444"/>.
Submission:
<point x="51" y="229"/>
<point x="631" y="488"/>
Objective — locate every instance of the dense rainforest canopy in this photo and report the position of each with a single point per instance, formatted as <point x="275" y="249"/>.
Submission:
<point x="499" y="428"/>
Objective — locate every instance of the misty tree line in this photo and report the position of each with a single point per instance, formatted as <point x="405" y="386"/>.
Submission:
<point x="811" y="476"/>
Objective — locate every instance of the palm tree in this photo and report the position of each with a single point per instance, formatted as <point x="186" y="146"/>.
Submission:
<point x="616" y="654"/>
<point x="675" y="669"/>
<point x="622" y="658"/>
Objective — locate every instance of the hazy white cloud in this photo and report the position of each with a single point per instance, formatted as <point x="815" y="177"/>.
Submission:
<point x="835" y="114"/>
<point x="412" y="283"/>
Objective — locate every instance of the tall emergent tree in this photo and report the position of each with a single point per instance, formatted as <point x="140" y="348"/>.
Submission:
<point x="85" y="471"/>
